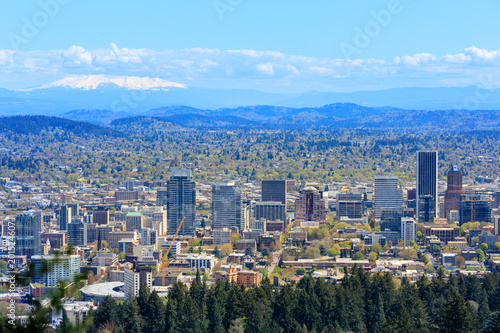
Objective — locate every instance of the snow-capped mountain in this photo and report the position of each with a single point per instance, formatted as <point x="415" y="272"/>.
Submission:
<point x="89" y="82"/>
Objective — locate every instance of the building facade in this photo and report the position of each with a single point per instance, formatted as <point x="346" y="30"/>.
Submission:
<point x="270" y="210"/>
<point x="29" y="233"/>
<point x="181" y="203"/>
<point x="227" y="207"/>
<point x="387" y="194"/>
<point x="51" y="269"/>
<point x="274" y="190"/>
<point x="310" y="206"/>
<point x="427" y="177"/>
<point x="453" y="191"/>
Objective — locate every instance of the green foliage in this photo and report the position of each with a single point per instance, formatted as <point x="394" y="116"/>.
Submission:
<point x="216" y="252"/>
<point x="333" y="252"/>
<point x="480" y="255"/>
<point x="358" y="256"/>
<point x="484" y="246"/>
<point x="249" y="251"/>
<point x="436" y="248"/>
<point x="301" y="271"/>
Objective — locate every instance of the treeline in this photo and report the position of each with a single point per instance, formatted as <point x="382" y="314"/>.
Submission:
<point x="360" y="303"/>
<point x="36" y="124"/>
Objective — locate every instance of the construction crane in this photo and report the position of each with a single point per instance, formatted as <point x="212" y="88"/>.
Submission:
<point x="165" y="257"/>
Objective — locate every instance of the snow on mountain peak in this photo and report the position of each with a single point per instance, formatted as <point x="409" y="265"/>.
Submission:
<point x="89" y="82"/>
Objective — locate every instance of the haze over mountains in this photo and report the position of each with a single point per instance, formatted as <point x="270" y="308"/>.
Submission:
<point x="137" y="95"/>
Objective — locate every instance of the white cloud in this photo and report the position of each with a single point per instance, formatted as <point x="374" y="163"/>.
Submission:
<point x="266" y="69"/>
<point x="262" y="70"/>
<point x="76" y="56"/>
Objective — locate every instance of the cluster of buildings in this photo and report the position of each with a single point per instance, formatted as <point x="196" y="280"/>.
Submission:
<point x="123" y="239"/>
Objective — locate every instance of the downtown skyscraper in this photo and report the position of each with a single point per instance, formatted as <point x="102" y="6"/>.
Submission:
<point x="181" y="203"/>
<point x="427" y="179"/>
<point x="227" y="206"/>
<point x="387" y="194"/>
<point x="274" y="190"/>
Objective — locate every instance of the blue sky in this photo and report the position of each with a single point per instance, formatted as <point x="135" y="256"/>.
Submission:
<point x="321" y="31"/>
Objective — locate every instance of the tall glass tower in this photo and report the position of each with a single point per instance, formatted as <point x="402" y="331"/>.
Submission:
<point x="427" y="178"/>
<point x="181" y="202"/>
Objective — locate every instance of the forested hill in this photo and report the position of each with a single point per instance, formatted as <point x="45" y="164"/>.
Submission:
<point x="37" y="124"/>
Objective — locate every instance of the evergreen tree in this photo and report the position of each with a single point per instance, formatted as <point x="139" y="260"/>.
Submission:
<point x="216" y="252"/>
<point x="493" y="323"/>
<point x="132" y="318"/>
<point x="142" y="300"/>
<point x="457" y="316"/>
<point x="483" y="312"/>
<point x="155" y="314"/>
<point x="106" y="313"/>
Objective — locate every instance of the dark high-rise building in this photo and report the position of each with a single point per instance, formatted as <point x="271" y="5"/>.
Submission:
<point x="161" y="196"/>
<point x="411" y="198"/>
<point x="274" y="190"/>
<point x="497" y="199"/>
<point x="310" y="206"/>
<point x="29" y="233"/>
<point x="426" y="209"/>
<point x="270" y="211"/>
<point x="66" y="213"/>
<point x="77" y="232"/>
<point x="427" y="179"/>
<point x="101" y="216"/>
<point x="481" y="209"/>
<point x="181" y="203"/>
<point x="453" y="191"/>
<point x="227" y="207"/>
<point x="350" y="205"/>
<point x="390" y="218"/>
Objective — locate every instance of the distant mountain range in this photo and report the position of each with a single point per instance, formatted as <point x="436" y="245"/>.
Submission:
<point x="137" y="95"/>
<point x="339" y="115"/>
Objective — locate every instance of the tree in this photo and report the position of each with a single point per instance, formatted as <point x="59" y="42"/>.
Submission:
<point x="216" y="252"/>
<point x="457" y="316"/>
<point x="235" y="239"/>
<point x="493" y="323"/>
<point x="484" y="246"/>
<point x="237" y="326"/>
<point x="497" y="246"/>
<point x="131" y="318"/>
<point x="249" y="251"/>
<point x="107" y="312"/>
<point x="155" y="314"/>
<point x="226" y="250"/>
<point x="142" y="300"/>
<point x="281" y="264"/>
<point x="436" y="248"/>
<point x="301" y="271"/>
<point x="480" y="255"/>
<point x="459" y="261"/>
<point x="373" y="256"/>
<point x="358" y="256"/>
<point x="322" y="250"/>
<point x="333" y="252"/>
<point x="377" y="248"/>
<point x="265" y="252"/>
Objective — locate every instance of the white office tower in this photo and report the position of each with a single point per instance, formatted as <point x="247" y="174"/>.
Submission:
<point x="408" y="230"/>
<point x="387" y="194"/>
<point x="51" y="269"/>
